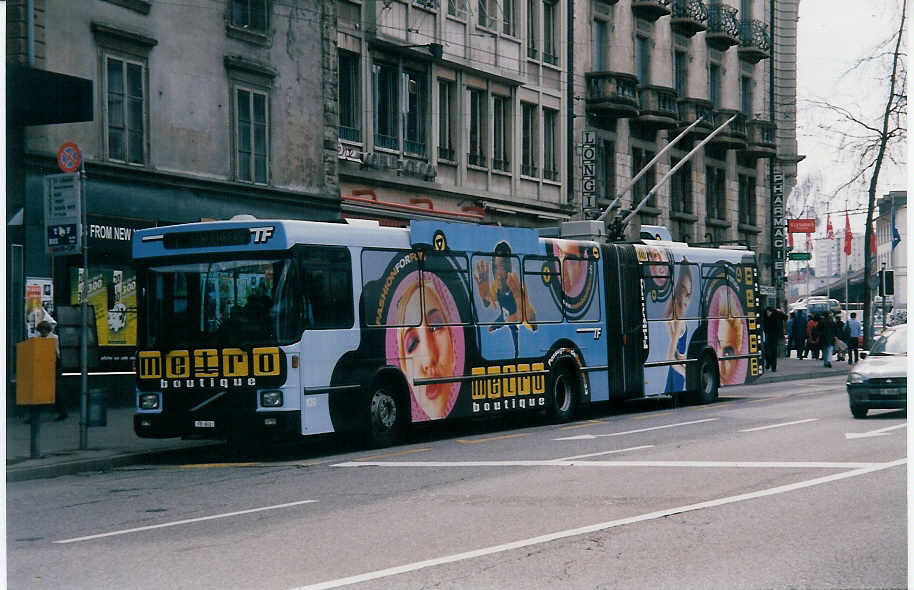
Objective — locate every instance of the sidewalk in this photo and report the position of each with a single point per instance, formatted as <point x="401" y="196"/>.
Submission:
<point x="115" y="445"/>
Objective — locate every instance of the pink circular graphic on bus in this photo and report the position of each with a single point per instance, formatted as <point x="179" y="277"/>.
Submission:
<point x="728" y="335"/>
<point x="431" y="349"/>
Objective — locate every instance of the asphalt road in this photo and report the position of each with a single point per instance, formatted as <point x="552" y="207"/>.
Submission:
<point x="775" y="486"/>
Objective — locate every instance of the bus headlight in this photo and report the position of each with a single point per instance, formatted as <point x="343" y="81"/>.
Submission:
<point x="270" y="399"/>
<point x="149" y="401"/>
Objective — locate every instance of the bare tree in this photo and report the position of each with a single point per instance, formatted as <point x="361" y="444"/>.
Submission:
<point x="874" y="141"/>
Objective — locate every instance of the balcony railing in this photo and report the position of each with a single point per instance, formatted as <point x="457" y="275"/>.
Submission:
<point x="550" y="174"/>
<point x="650" y="9"/>
<point x="350" y="134"/>
<point x="474" y="159"/>
<point x="689" y="17"/>
<point x="754" y="42"/>
<point x="501" y="165"/>
<point x="612" y="94"/>
<point x="733" y="136"/>
<point x="723" y="27"/>
<point x="690" y="110"/>
<point x="445" y="153"/>
<point x="658" y="107"/>
<point x="416" y="148"/>
<point x="385" y="141"/>
<point x="528" y="170"/>
<point x="761" y="142"/>
<point x="549" y="58"/>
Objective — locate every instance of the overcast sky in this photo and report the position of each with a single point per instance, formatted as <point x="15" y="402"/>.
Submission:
<point x="832" y="35"/>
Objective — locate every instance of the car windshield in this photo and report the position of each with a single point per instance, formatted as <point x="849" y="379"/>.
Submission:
<point x="892" y="342"/>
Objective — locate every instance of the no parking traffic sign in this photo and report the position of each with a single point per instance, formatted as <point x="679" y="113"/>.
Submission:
<point x="68" y="157"/>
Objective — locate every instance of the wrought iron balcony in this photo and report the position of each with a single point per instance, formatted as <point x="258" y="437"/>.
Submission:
<point x="690" y="109"/>
<point x="761" y="139"/>
<point x="650" y="9"/>
<point x="350" y="134"/>
<point x="612" y="94"/>
<point x="689" y="17"/>
<point x="754" y="42"/>
<point x="733" y="136"/>
<point x="658" y="107"/>
<point x="723" y="27"/>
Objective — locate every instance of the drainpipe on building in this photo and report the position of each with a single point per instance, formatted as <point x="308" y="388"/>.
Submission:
<point x="30" y="31"/>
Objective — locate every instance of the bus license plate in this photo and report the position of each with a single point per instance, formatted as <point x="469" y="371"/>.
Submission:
<point x="204" y="424"/>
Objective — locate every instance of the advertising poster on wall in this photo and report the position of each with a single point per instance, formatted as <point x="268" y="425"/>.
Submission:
<point x="39" y="303"/>
<point x="112" y="293"/>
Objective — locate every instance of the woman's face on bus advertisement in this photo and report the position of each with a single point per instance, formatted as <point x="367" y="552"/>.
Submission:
<point x="682" y="294"/>
<point x="729" y="337"/>
<point x="573" y="271"/>
<point x="427" y="350"/>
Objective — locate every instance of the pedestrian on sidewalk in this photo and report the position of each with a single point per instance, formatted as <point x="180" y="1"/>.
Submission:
<point x="773" y="326"/>
<point x="854" y="331"/>
<point x="827" y="330"/>
<point x="790" y="345"/>
<point x="812" y="337"/>
<point x="799" y="333"/>
<point x="46" y="330"/>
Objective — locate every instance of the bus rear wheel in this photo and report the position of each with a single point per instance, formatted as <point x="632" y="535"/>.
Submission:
<point x="708" y="379"/>
<point x="564" y="393"/>
<point x="385" y="418"/>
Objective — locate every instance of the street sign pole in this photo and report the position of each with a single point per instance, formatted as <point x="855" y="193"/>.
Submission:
<point x="84" y="312"/>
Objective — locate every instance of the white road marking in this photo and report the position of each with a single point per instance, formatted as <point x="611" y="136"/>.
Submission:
<point x="590" y="436"/>
<point x="605" y="453"/>
<point x="186" y="521"/>
<point x="419" y="565"/>
<point x="574" y="463"/>
<point x="871" y="433"/>
<point x="779" y="425"/>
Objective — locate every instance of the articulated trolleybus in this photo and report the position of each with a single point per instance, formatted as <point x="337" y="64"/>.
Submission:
<point x="252" y="327"/>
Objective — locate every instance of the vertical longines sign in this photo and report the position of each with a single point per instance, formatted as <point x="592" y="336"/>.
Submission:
<point x="778" y="230"/>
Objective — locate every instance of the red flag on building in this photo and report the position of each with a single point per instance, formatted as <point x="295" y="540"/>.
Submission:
<point x="873" y="249"/>
<point x="829" y="232"/>
<point x="848" y="236"/>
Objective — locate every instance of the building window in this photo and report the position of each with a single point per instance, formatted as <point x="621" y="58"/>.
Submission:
<point x="447" y="120"/>
<point x="608" y="158"/>
<point x="681" y="73"/>
<point x="681" y="188"/>
<point x="386" y="106"/>
<point x="714" y="84"/>
<point x="550" y="147"/>
<point x="747" y="199"/>
<point x="530" y="139"/>
<point x="414" y="140"/>
<point x="457" y="8"/>
<point x="350" y="94"/>
<point x="125" y="103"/>
<point x="643" y="59"/>
<point x="745" y="95"/>
<point x="250" y="14"/>
<point x="640" y="158"/>
<point x="501" y="156"/>
<point x="508" y="17"/>
<point x="550" y="46"/>
<point x="532" y="29"/>
<point x="716" y="188"/>
<point x="600" y="41"/>
<point x="485" y="11"/>
<point x="478" y="122"/>
<point x="251" y="135"/>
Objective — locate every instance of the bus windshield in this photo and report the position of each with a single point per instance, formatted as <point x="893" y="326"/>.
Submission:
<point x="226" y="302"/>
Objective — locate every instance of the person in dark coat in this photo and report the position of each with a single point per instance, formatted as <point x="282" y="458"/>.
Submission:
<point x="773" y="325"/>
<point x="827" y="330"/>
<point x="799" y="333"/>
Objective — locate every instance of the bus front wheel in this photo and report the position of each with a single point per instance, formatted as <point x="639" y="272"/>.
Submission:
<point x="564" y="393"/>
<point x="385" y="418"/>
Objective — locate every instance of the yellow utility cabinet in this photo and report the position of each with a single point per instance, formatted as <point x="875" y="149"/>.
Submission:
<point x="35" y="371"/>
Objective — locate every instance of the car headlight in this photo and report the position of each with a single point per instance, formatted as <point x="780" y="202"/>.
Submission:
<point x="855" y="378"/>
<point x="270" y="399"/>
<point x="149" y="401"/>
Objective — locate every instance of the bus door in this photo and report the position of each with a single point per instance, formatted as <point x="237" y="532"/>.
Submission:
<point x="328" y="327"/>
<point x="625" y="321"/>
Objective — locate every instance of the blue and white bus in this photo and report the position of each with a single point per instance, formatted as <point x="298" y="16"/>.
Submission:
<point x="293" y="328"/>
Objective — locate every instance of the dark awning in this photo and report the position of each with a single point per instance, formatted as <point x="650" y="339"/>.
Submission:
<point x="40" y="97"/>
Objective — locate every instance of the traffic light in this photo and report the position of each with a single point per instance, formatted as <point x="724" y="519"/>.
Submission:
<point x="886" y="282"/>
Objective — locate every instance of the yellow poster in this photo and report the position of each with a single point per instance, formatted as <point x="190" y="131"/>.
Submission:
<point x="112" y="293"/>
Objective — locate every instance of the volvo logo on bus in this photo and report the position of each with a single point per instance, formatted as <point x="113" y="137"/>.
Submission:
<point x="211" y="367"/>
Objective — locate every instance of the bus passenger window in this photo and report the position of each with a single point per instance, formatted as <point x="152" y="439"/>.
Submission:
<point x="543" y="284"/>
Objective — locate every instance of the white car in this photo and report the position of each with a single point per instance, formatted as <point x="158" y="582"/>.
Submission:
<point x="881" y="379"/>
